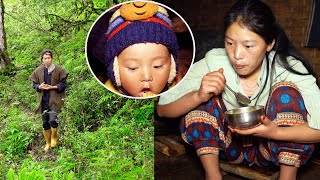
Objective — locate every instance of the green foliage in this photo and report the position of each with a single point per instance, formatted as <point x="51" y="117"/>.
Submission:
<point x="8" y="70"/>
<point x="20" y="93"/>
<point x="11" y="174"/>
<point x="33" y="171"/>
<point x="16" y="134"/>
<point x="3" y="165"/>
<point x="101" y="135"/>
<point x="25" y="175"/>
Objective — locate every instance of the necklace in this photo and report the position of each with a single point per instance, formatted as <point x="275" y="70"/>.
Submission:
<point x="250" y="87"/>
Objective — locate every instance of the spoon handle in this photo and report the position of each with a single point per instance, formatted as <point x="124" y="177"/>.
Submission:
<point x="230" y="89"/>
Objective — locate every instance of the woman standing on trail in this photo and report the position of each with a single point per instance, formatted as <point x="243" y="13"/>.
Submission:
<point x="49" y="80"/>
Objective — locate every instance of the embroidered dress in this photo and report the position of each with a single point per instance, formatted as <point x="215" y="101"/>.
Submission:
<point x="206" y="129"/>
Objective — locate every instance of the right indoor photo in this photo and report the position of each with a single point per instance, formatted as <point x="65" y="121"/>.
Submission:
<point x="248" y="108"/>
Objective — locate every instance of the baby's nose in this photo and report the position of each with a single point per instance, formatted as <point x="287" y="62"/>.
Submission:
<point x="146" y="76"/>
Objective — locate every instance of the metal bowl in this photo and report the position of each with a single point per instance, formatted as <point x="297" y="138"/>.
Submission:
<point x="245" y="117"/>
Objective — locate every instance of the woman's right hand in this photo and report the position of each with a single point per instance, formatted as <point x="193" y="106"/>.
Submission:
<point x="42" y="86"/>
<point x="212" y="84"/>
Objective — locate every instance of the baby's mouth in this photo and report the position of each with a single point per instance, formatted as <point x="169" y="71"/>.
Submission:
<point x="146" y="92"/>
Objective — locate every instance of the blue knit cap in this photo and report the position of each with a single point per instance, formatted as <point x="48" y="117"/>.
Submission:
<point x="123" y="33"/>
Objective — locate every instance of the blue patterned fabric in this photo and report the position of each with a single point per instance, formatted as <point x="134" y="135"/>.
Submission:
<point x="205" y="128"/>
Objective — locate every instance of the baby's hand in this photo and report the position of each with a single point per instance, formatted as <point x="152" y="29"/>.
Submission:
<point x="211" y="84"/>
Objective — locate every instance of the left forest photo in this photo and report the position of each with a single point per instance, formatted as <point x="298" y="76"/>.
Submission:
<point x="100" y="135"/>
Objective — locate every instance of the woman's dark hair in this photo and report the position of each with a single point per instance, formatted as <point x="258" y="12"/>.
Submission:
<point x="258" y="18"/>
<point x="46" y="51"/>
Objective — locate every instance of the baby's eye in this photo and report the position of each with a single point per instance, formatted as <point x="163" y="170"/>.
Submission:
<point x="229" y="43"/>
<point x="158" y="66"/>
<point x="132" y="68"/>
<point x="249" y="46"/>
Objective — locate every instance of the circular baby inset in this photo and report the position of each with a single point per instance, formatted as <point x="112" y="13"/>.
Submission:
<point x="140" y="49"/>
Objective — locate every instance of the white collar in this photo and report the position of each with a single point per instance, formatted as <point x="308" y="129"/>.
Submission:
<point x="51" y="68"/>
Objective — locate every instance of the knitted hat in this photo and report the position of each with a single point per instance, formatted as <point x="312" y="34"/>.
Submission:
<point x="48" y="52"/>
<point x="138" y="22"/>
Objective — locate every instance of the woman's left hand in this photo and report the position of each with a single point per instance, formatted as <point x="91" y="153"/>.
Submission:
<point x="267" y="129"/>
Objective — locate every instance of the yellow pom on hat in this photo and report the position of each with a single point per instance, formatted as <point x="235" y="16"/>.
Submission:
<point x="138" y="10"/>
<point x="117" y="13"/>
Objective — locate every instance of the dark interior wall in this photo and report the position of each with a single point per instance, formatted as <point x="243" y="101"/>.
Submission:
<point x="292" y="15"/>
<point x="201" y="14"/>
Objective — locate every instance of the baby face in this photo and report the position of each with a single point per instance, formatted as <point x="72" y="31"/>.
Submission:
<point x="144" y="68"/>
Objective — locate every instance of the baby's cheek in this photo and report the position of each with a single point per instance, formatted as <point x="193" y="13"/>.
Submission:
<point x="161" y="81"/>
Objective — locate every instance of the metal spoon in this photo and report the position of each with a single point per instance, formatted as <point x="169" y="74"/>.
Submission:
<point x="242" y="99"/>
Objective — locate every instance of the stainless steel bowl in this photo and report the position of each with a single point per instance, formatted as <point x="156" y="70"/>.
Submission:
<point x="245" y="117"/>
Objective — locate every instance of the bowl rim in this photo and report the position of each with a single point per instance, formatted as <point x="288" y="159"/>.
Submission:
<point x="246" y="109"/>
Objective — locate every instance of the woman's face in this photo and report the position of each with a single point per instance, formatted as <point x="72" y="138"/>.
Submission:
<point x="47" y="60"/>
<point x="246" y="50"/>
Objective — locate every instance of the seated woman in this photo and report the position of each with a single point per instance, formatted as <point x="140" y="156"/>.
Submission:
<point x="259" y="61"/>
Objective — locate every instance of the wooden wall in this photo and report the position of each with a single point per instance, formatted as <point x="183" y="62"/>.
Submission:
<point x="292" y="15"/>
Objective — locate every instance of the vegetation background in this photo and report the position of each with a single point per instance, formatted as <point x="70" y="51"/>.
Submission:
<point x="102" y="135"/>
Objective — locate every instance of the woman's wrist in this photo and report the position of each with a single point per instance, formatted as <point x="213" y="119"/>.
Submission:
<point x="201" y="98"/>
<point x="277" y="133"/>
<point x="197" y="98"/>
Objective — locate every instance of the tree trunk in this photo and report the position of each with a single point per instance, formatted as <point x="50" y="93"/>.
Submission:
<point x="4" y="56"/>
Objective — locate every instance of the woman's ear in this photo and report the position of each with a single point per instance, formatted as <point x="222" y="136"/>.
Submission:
<point x="270" y="46"/>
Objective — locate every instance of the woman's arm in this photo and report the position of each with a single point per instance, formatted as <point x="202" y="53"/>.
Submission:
<point x="204" y="80"/>
<point x="211" y="84"/>
<point x="179" y="107"/>
<point x="270" y="130"/>
<point x="300" y="134"/>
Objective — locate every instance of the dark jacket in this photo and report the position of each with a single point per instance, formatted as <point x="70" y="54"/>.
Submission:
<point x="58" y="76"/>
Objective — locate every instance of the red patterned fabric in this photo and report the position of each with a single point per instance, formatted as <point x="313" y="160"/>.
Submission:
<point x="205" y="128"/>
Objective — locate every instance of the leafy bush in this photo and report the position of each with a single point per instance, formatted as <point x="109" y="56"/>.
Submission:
<point x="33" y="171"/>
<point x="15" y="134"/>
